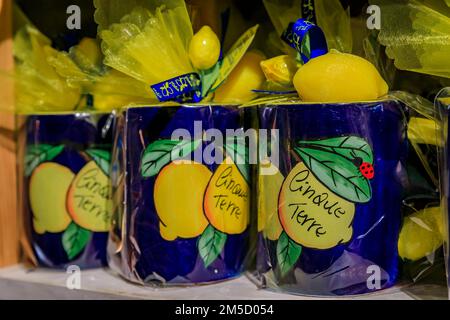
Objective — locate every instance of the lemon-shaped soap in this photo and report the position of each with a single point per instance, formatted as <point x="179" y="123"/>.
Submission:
<point x="48" y="188"/>
<point x="422" y="233"/>
<point x="90" y="49"/>
<point x="339" y="77"/>
<point x="311" y="214"/>
<point x="178" y="196"/>
<point x="89" y="199"/>
<point x="280" y="69"/>
<point x="245" y="77"/>
<point x="226" y="202"/>
<point x="269" y="186"/>
<point x="204" y="49"/>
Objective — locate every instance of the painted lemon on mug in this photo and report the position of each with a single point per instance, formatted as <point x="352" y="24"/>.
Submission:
<point x="226" y="201"/>
<point x="178" y="197"/>
<point x="48" y="188"/>
<point x="311" y="214"/>
<point x="89" y="200"/>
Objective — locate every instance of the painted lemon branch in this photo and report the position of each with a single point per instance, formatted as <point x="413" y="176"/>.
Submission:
<point x="102" y="158"/>
<point x="288" y="252"/>
<point x="37" y="154"/>
<point x="350" y="147"/>
<point x="162" y="152"/>
<point x="334" y="163"/>
<point x="74" y="240"/>
<point x="238" y="151"/>
<point x="212" y="241"/>
<point x="211" y="244"/>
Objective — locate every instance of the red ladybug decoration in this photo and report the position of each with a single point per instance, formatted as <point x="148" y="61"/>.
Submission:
<point x="367" y="170"/>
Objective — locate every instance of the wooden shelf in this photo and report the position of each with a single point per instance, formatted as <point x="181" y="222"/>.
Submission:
<point x="18" y="282"/>
<point x="9" y="222"/>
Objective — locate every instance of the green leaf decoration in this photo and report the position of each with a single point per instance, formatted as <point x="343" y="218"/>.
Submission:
<point x="37" y="154"/>
<point x="161" y="152"/>
<point x="209" y="77"/>
<point x="211" y="244"/>
<point x="234" y="55"/>
<point x="288" y="253"/>
<point x="102" y="158"/>
<point x="336" y="172"/>
<point x="350" y="147"/>
<point x="238" y="151"/>
<point x="74" y="240"/>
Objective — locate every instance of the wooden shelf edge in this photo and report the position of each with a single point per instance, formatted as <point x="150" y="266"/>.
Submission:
<point x="18" y="282"/>
<point x="9" y="225"/>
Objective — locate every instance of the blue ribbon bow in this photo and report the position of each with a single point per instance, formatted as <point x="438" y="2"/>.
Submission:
<point x="307" y="38"/>
<point x="184" y="88"/>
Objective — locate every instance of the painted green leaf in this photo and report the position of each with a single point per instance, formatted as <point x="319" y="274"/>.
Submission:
<point x="337" y="173"/>
<point x="238" y="151"/>
<point x="102" y="158"/>
<point x="161" y="152"/>
<point x="209" y="77"/>
<point x="350" y="147"/>
<point x="288" y="253"/>
<point x="36" y="154"/>
<point x="74" y="240"/>
<point x="211" y="244"/>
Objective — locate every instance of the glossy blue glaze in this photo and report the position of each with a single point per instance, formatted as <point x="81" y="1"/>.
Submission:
<point x="344" y="269"/>
<point x="77" y="132"/>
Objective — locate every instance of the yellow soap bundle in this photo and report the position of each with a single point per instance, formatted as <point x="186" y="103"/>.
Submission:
<point x="331" y="17"/>
<point x="314" y="73"/>
<point x="143" y="43"/>
<point x="423" y="231"/>
<point x="83" y="67"/>
<point x="38" y="87"/>
<point x="417" y="34"/>
<point x="150" y="46"/>
<point x="48" y="80"/>
<point x="153" y="42"/>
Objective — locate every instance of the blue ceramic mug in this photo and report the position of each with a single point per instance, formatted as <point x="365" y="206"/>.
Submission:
<point x="181" y="199"/>
<point x="66" y="190"/>
<point x="329" y="216"/>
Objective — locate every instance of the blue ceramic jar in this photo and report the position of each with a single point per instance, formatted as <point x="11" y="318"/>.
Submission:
<point x="66" y="189"/>
<point x="181" y="218"/>
<point x="329" y="217"/>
